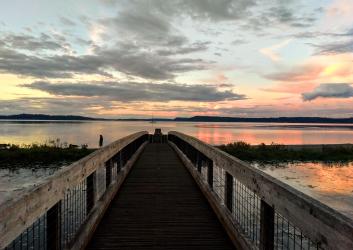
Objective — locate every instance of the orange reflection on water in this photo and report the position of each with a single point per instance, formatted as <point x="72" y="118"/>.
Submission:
<point x="334" y="179"/>
<point x="214" y="135"/>
<point x="323" y="177"/>
<point x="332" y="184"/>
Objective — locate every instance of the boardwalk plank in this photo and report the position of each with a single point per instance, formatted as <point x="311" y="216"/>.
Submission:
<point x="159" y="207"/>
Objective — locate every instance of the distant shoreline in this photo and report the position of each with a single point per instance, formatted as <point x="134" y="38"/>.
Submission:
<point x="43" y="117"/>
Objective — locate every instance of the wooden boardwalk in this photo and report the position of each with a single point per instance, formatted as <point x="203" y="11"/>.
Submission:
<point x="159" y="207"/>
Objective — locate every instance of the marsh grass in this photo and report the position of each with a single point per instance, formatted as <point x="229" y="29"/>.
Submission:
<point x="41" y="155"/>
<point x="279" y="153"/>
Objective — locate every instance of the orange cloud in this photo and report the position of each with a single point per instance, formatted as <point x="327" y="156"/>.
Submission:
<point x="319" y="69"/>
<point x="306" y="72"/>
<point x="295" y="88"/>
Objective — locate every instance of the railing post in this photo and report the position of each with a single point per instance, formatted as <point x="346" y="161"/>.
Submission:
<point x="122" y="156"/>
<point x="199" y="161"/>
<point x="194" y="156"/>
<point x="210" y="173"/>
<point x="121" y="159"/>
<point x="90" y="197"/>
<point x="118" y="162"/>
<point x="54" y="227"/>
<point x="108" y="172"/>
<point x="228" y="196"/>
<point x="267" y="226"/>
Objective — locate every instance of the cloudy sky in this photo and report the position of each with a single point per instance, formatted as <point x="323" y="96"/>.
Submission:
<point x="137" y="58"/>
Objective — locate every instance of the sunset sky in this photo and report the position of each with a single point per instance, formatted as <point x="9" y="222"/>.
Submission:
<point x="138" y="58"/>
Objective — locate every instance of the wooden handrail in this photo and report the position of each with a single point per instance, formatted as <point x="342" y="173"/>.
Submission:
<point x="320" y="223"/>
<point x="22" y="211"/>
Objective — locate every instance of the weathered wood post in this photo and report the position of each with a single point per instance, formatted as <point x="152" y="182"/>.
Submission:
<point x="54" y="227"/>
<point x="267" y="226"/>
<point x="117" y="159"/>
<point x="199" y="160"/>
<point x="90" y="190"/>
<point x="228" y="191"/>
<point x="194" y="156"/>
<point x="122" y="157"/>
<point x="108" y="172"/>
<point x="210" y="173"/>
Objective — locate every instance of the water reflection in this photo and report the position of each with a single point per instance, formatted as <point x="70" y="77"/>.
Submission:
<point x="331" y="183"/>
<point x="87" y="132"/>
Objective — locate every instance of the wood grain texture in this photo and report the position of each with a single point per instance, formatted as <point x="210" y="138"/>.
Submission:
<point x="160" y="207"/>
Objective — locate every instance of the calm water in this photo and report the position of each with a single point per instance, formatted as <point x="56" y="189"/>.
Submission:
<point x="331" y="184"/>
<point x="213" y="133"/>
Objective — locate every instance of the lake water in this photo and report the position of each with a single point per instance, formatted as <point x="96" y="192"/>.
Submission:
<point x="87" y="132"/>
<point x="331" y="184"/>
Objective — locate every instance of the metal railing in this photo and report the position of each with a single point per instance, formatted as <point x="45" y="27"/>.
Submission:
<point x="55" y="214"/>
<point x="257" y="210"/>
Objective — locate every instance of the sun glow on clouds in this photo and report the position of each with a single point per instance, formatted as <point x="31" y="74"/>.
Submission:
<point x="318" y="69"/>
<point x="272" y="52"/>
<point x="250" y="61"/>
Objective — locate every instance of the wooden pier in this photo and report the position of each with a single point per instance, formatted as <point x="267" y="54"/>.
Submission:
<point x="167" y="192"/>
<point x="159" y="207"/>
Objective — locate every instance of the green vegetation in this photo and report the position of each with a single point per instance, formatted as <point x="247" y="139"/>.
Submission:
<point x="41" y="155"/>
<point x="280" y="153"/>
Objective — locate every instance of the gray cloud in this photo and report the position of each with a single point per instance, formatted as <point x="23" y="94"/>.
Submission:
<point x="239" y="42"/>
<point x="200" y="9"/>
<point x="133" y="91"/>
<point x="330" y="90"/>
<point x="284" y="14"/>
<point x="32" y="43"/>
<point x="139" y="24"/>
<point x="148" y="64"/>
<point x="341" y="42"/>
<point x="125" y="58"/>
<point x="154" y="22"/>
<point x="67" y="21"/>
<point x="56" y="66"/>
<point x="150" y="28"/>
<point x="215" y="10"/>
<point x="339" y="47"/>
<point x="195" y="47"/>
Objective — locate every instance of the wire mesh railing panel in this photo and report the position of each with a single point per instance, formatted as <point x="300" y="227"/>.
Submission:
<point x="114" y="171"/>
<point x="246" y="211"/>
<point x="204" y="170"/>
<point x="288" y="236"/>
<point x="100" y="181"/>
<point x="34" y="237"/>
<point x="73" y="212"/>
<point x="219" y="183"/>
